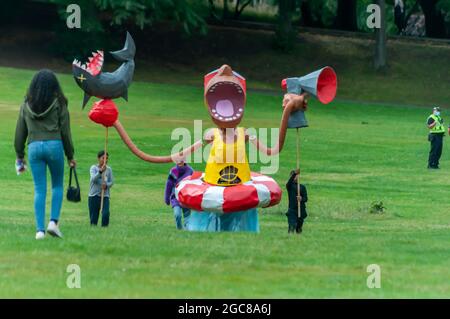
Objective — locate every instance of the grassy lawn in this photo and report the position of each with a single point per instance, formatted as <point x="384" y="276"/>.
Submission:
<point x="353" y="154"/>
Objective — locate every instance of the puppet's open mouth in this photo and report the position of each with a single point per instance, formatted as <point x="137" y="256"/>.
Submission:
<point x="95" y="64"/>
<point x="226" y="101"/>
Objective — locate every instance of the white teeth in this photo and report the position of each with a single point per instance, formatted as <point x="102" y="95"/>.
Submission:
<point x="216" y="115"/>
<point x="240" y="110"/>
<point x="214" y="111"/>
<point x="238" y="115"/>
<point x="75" y="61"/>
<point x="220" y="117"/>
<point x="234" y="117"/>
<point x="78" y="64"/>
<point x="100" y="52"/>
<point x="90" y="59"/>
<point x="83" y="67"/>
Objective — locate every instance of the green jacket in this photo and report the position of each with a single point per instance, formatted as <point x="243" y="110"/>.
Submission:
<point x="52" y="124"/>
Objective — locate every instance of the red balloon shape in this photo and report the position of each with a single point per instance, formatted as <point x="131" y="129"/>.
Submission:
<point x="104" y="112"/>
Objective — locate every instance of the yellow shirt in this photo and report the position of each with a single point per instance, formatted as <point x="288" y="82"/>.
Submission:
<point x="227" y="163"/>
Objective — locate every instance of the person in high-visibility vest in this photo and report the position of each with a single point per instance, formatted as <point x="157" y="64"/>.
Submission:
<point x="437" y="130"/>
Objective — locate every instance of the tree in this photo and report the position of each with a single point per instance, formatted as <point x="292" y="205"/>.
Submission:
<point x="380" y="38"/>
<point x="100" y="16"/>
<point x="212" y="10"/>
<point x="311" y="13"/>
<point x="225" y="12"/>
<point x="285" y="34"/>
<point x="434" y="19"/>
<point x="240" y="7"/>
<point x="305" y="10"/>
<point x="401" y="18"/>
<point x="399" y="15"/>
<point x="141" y="13"/>
<point x="346" y="15"/>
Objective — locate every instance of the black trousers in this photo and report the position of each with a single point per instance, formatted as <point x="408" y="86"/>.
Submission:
<point x="435" y="149"/>
<point x="294" y="220"/>
<point x="94" y="210"/>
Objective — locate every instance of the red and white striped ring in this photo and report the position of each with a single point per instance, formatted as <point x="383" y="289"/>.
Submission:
<point x="261" y="191"/>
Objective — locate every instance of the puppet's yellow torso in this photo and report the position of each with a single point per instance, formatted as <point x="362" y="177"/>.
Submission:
<point x="227" y="163"/>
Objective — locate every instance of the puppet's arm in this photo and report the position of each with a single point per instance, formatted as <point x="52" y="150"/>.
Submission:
<point x="291" y="103"/>
<point x="151" y="158"/>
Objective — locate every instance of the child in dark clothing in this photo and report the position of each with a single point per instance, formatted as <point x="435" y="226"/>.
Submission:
<point x="295" y="222"/>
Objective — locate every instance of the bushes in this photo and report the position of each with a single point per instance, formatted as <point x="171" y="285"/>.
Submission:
<point x="100" y="17"/>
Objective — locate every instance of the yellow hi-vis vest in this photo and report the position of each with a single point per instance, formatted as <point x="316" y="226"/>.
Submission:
<point x="227" y="163"/>
<point x="439" y="127"/>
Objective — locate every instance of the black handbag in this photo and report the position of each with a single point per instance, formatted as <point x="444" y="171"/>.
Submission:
<point x="73" y="193"/>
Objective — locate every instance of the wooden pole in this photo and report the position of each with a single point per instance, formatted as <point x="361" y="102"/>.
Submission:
<point x="298" y="175"/>
<point x="104" y="172"/>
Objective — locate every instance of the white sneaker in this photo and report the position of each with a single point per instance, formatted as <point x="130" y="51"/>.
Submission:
<point x="40" y="235"/>
<point x="53" y="230"/>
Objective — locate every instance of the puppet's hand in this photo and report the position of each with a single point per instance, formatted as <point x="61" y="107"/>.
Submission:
<point x="300" y="101"/>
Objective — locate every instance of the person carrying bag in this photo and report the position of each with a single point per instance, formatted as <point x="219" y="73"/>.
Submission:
<point x="44" y="125"/>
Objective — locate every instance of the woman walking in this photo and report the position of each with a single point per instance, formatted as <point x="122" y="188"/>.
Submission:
<point x="44" y="122"/>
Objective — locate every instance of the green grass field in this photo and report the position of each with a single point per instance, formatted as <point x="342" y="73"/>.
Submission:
<point x="352" y="154"/>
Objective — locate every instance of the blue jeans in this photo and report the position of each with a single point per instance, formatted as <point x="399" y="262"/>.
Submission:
<point x="40" y="155"/>
<point x="186" y="214"/>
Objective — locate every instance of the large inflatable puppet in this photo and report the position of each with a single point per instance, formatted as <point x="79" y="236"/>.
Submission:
<point x="224" y="197"/>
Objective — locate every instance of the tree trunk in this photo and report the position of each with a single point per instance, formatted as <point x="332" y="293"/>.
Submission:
<point x="346" y="15"/>
<point x="434" y="20"/>
<point x="225" y="13"/>
<point x="307" y="18"/>
<point x="240" y="8"/>
<point x="212" y="10"/>
<point x="285" y="32"/>
<point x="380" y="38"/>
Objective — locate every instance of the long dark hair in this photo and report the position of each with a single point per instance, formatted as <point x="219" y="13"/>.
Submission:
<point x="44" y="89"/>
